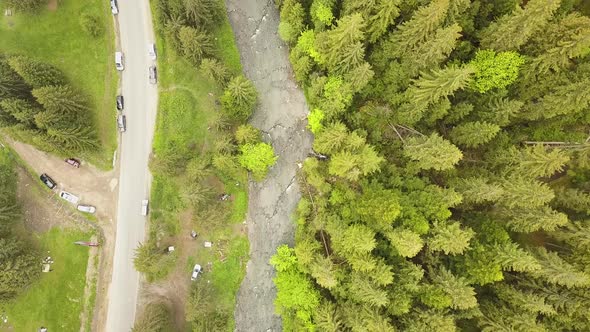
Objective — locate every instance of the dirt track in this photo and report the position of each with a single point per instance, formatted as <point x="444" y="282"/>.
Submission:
<point x="281" y="115"/>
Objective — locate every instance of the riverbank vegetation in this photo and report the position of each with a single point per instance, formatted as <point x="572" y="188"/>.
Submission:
<point x="451" y="192"/>
<point x="199" y="149"/>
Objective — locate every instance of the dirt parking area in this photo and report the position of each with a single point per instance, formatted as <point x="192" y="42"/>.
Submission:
<point x="44" y="210"/>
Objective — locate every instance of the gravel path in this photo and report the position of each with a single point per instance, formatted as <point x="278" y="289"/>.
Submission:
<point x="281" y="115"/>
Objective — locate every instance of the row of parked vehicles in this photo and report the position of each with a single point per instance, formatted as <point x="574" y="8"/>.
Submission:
<point x="52" y="184"/>
<point x="152" y="75"/>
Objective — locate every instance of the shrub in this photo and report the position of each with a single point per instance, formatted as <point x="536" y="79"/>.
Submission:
<point x="247" y="134"/>
<point x="25" y="5"/>
<point x="91" y="24"/>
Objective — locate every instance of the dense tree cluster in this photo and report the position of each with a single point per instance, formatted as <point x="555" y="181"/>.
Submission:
<point x="20" y="263"/>
<point x="38" y="106"/>
<point x="452" y="192"/>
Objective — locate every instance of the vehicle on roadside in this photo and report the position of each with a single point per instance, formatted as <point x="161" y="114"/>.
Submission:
<point x="152" y="51"/>
<point x="114" y="7"/>
<point x="69" y="197"/>
<point x="121" y="122"/>
<point x="72" y="161"/>
<point x="119" y="61"/>
<point x="196" y="271"/>
<point x="120" y="103"/>
<point x="48" y="181"/>
<point x="144" y="207"/>
<point x="86" y="208"/>
<point x="153" y="74"/>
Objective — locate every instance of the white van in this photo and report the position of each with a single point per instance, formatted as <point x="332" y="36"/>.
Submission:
<point x="152" y="51"/>
<point x="144" y="207"/>
<point x="119" y="61"/>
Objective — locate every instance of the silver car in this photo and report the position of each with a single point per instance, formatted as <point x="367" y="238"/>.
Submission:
<point x="121" y="122"/>
<point x="152" y="51"/>
<point x="196" y="271"/>
<point x="86" y="208"/>
<point x="114" y="8"/>
<point x="69" y="197"/>
<point x="153" y="74"/>
<point x="119" y="62"/>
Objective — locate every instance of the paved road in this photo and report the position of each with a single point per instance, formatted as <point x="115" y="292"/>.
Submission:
<point x="135" y="27"/>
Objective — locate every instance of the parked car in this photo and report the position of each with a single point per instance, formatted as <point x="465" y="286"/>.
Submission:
<point x="196" y="271"/>
<point x="72" y="161"/>
<point x="153" y="74"/>
<point x="86" y="208"/>
<point x="152" y="51"/>
<point x="114" y="7"/>
<point x="120" y="103"/>
<point x="121" y="122"/>
<point x="48" y="181"/>
<point x="144" y="207"/>
<point x="119" y="62"/>
<point x="69" y="197"/>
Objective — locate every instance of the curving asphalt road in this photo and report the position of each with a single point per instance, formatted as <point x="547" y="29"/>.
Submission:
<point x="135" y="32"/>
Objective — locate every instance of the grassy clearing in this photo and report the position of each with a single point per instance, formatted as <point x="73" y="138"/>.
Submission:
<point x="186" y="108"/>
<point x="56" y="300"/>
<point x="56" y="37"/>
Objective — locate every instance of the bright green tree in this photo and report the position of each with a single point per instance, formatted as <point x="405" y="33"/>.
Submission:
<point x="495" y="70"/>
<point x="295" y="292"/>
<point x="257" y="158"/>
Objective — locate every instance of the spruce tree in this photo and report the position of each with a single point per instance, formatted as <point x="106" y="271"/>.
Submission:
<point x="35" y="73"/>
<point x="474" y="134"/>
<point x="432" y="152"/>
<point x="449" y="238"/>
<point x="512" y="31"/>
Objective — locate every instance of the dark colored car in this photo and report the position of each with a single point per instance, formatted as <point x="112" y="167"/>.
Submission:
<point x="49" y="182"/>
<point x="73" y="162"/>
<point x="120" y="103"/>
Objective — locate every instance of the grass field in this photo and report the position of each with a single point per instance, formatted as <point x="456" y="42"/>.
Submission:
<point x="56" y="300"/>
<point x="57" y="38"/>
<point x="186" y="107"/>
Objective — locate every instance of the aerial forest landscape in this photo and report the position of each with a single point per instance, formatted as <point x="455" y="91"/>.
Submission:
<point x="295" y="165"/>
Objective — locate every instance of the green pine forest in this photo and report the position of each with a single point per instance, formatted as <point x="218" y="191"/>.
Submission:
<point x="452" y="190"/>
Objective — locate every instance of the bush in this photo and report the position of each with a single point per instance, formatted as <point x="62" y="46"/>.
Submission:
<point x="257" y="158"/>
<point x="24" y="5"/>
<point x="246" y="134"/>
<point x="91" y="24"/>
<point x="154" y="262"/>
<point x="156" y="317"/>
